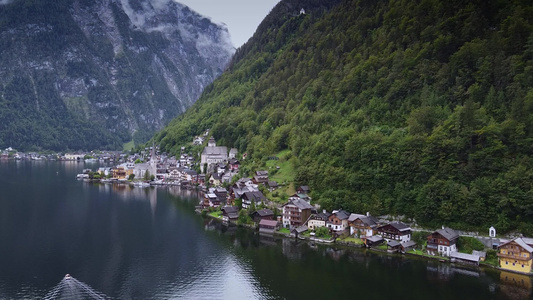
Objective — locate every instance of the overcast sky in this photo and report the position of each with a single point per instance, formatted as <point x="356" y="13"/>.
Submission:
<point x="241" y="16"/>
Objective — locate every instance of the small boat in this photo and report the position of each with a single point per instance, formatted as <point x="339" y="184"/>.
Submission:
<point x="82" y="176"/>
<point x="141" y="184"/>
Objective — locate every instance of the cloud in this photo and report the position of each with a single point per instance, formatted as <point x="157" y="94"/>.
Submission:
<point x="150" y="9"/>
<point x="4" y="2"/>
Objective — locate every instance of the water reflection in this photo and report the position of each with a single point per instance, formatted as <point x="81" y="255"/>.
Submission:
<point x="147" y="243"/>
<point x="516" y="286"/>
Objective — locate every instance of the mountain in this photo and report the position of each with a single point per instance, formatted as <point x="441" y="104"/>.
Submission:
<point x="416" y="108"/>
<point x="80" y="74"/>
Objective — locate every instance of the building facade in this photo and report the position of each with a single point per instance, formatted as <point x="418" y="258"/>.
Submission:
<point x="515" y="256"/>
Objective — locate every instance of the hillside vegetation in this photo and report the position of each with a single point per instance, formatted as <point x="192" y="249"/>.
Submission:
<point x="422" y="108"/>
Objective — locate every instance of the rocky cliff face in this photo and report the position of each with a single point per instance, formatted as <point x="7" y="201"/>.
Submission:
<point x="83" y="74"/>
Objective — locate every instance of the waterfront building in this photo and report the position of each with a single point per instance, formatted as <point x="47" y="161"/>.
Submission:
<point x="318" y="220"/>
<point x="338" y="220"/>
<point x="295" y="213"/>
<point x="262" y="214"/>
<point x="268" y="226"/>
<point x="442" y="242"/>
<point x="361" y="225"/>
<point x="515" y="255"/>
<point x="395" y="231"/>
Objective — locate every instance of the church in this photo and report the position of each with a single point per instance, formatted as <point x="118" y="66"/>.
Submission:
<point x="213" y="154"/>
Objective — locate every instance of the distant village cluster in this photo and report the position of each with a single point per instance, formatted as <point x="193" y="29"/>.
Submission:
<point x="241" y="201"/>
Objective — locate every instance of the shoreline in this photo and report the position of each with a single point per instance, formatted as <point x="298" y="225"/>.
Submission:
<point x="445" y="260"/>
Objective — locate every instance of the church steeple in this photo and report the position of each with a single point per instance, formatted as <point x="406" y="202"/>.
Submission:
<point x="153" y="161"/>
<point x="211" y="142"/>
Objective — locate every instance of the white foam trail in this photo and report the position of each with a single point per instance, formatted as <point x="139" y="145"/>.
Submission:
<point x="71" y="288"/>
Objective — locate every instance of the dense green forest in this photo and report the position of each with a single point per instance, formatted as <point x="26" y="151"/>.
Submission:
<point x="421" y="108"/>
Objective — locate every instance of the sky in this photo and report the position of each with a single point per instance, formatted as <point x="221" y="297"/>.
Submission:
<point x="241" y="16"/>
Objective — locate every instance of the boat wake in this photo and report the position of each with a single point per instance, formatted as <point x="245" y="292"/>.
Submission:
<point x="71" y="288"/>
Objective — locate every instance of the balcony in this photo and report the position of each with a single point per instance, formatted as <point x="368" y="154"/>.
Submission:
<point x="514" y="256"/>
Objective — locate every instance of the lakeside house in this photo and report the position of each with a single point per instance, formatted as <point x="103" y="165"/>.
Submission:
<point x="338" y="221"/>
<point x="268" y="226"/>
<point x="395" y="231"/>
<point x="442" y="242"/>
<point x="211" y="200"/>
<point x="464" y="258"/>
<point x="262" y="214"/>
<point x="516" y="255"/>
<point x="296" y="212"/>
<point x="361" y="225"/>
<point x="372" y="241"/>
<point x="407" y="246"/>
<point x="318" y="220"/>
<point x="230" y="213"/>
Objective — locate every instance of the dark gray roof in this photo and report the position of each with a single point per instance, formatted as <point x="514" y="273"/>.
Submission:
<point x="255" y="196"/>
<point x="464" y="256"/>
<point x="191" y="172"/>
<point x="448" y="233"/>
<point x="375" y="238"/>
<point x="400" y="226"/>
<point x="265" y="212"/>
<point x="342" y="215"/>
<point x="369" y="221"/>
<point x="268" y="222"/>
<point x="300" y="229"/>
<point x="272" y="183"/>
<point x="301" y="204"/>
<point x="233" y="215"/>
<point x="393" y="243"/>
<point x="229" y="209"/>
<point x="305" y="188"/>
<point x="409" y="244"/>
<point x="323" y="215"/>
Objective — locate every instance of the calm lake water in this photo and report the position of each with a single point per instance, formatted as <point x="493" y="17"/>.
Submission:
<point x="135" y="243"/>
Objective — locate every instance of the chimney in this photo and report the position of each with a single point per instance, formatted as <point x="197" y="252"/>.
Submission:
<point x="324" y="211"/>
<point x="368" y="214"/>
<point x="442" y="226"/>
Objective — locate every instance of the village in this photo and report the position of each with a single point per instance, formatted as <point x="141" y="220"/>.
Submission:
<point x="241" y="201"/>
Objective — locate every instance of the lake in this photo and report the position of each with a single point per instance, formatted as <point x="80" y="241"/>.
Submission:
<point x="121" y="242"/>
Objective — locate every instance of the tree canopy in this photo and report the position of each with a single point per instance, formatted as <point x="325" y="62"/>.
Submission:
<point x="421" y="108"/>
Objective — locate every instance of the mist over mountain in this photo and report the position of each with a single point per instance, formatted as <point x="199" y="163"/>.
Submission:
<point x="80" y="74"/>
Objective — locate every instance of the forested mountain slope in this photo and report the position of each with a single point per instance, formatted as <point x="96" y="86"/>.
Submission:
<point x="422" y="108"/>
<point x="87" y="74"/>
